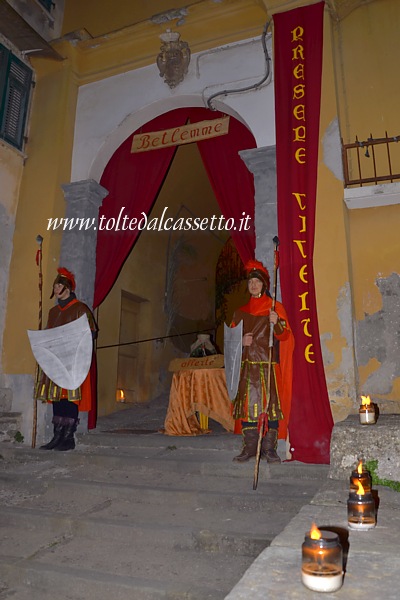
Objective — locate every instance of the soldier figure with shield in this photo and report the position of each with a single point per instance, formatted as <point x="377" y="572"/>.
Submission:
<point x="64" y="355"/>
<point x="262" y="401"/>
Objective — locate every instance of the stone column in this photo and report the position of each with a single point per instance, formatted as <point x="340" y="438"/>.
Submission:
<point x="261" y="162"/>
<point x="78" y="246"/>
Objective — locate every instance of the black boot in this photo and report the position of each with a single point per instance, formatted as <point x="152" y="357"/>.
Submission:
<point x="250" y="441"/>
<point x="58" y="434"/>
<point x="68" y="441"/>
<point x="269" y="446"/>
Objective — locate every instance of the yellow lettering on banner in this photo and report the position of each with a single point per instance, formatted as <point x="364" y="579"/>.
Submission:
<point x="299" y="91"/>
<point x="303" y="298"/>
<point x="299" y="244"/>
<point x="303" y="274"/>
<point x="305" y="327"/>
<point x="303" y="219"/>
<point x="297" y="34"/>
<point x="299" y="155"/>
<point x="299" y="151"/>
<point x="299" y="112"/>
<point x="298" y="53"/>
<point x="299" y="198"/>
<point x="298" y="71"/>
<point x="299" y="134"/>
<point x="308" y="352"/>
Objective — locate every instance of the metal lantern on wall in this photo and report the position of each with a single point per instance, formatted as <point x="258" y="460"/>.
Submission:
<point x="174" y="58"/>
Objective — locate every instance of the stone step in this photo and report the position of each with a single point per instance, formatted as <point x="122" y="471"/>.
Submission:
<point x="10" y="426"/>
<point x="213" y="460"/>
<point x="145" y="519"/>
<point x="233" y="540"/>
<point x="44" y="581"/>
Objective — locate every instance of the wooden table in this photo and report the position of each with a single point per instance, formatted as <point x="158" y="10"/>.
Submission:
<point x="197" y="391"/>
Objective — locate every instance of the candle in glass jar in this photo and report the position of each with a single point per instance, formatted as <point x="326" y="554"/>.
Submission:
<point x="360" y="475"/>
<point x="322" y="561"/>
<point x="366" y="411"/>
<point x="361" y="514"/>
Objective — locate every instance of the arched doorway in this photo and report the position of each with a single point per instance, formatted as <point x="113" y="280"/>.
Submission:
<point x="168" y="279"/>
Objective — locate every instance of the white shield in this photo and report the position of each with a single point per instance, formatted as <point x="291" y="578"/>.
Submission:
<point x="233" y="357"/>
<point x="64" y="353"/>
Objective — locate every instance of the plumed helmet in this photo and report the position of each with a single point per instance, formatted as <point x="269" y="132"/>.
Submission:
<point x="66" y="278"/>
<point x="255" y="268"/>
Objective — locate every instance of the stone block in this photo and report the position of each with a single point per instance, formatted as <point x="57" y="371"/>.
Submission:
<point x="352" y="441"/>
<point x="5" y="399"/>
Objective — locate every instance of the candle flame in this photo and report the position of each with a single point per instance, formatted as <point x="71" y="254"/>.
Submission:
<point x="120" y="397"/>
<point x="359" y="468"/>
<point x="365" y="400"/>
<point x="360" y="488"/>
<point x="315" y="533"/>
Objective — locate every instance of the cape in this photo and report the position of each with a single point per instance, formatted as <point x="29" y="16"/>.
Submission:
<point x="262" y="307"/>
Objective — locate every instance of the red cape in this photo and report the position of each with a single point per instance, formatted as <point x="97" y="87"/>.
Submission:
<point x="284" y="371"/>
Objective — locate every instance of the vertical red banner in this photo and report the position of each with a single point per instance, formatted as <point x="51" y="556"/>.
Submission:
<point x="298" y="39"/>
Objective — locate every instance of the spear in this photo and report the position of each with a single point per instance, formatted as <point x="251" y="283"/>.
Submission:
<point x="263" y="416"/>
<point x="39" y="240"/>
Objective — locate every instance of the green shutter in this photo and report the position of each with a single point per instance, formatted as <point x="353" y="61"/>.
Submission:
<point x="15" y="86"/>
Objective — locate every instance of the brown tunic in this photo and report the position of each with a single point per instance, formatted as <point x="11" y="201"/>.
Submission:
<point x="252" y="398"/>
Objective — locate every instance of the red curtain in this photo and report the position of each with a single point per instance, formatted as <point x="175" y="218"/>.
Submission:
<point x="134" y="180"/>
<point x="231" y="181"/>
<point x="298" y="38"/>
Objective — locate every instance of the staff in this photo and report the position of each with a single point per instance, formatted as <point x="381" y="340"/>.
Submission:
<point x="39" y="240"/>
<point x="263" y="417"/>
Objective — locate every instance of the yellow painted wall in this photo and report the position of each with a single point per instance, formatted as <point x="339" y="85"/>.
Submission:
<point x="366" y="50"/>
<point x="47" y="166"/>
<point x="330" y="251"/>
<point x="100" y="17"/>
<point x="11" y="165"/>
<point x="366" y="47"/>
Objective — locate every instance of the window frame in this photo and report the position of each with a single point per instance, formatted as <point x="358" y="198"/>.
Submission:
<point x="16" y="81"/>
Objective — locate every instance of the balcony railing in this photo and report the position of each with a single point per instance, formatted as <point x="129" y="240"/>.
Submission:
<point x="374" y="161"/>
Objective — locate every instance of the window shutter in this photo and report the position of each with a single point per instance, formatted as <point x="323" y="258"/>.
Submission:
<point x="15" y="85"/>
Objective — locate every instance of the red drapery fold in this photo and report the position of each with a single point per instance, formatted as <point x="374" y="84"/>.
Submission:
<point x="231" y="181"/>
<point x="298" y="38"/>
<point x="133" y="181"/>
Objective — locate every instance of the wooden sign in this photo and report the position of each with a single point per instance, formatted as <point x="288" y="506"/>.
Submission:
<point x="215" y="361"/>
<point x="186" y="134"/>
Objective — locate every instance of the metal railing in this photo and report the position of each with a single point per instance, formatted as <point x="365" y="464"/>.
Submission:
<point x="374" y="161"/>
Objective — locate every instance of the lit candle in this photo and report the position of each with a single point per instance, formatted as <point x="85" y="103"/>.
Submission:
<point x="322" y="561"/>
<point x="367" y="411"/>
<point x="361" y="509"/>
<point x="361" y="475"/>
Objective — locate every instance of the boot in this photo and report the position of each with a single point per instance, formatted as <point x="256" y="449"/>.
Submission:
<point x="250" y="441"/>
<point x="269" y="446"/>
<point x="68" y="441"/>
<point x="58" y="434"/>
